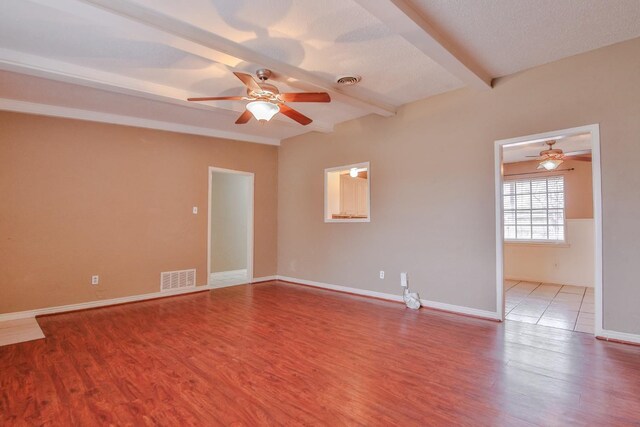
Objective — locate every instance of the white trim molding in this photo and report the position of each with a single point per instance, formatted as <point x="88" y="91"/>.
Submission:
<point x="264" y="279"/>
<point x="117" y="119"/>
<point x="338" y="288"/>
<point x="99" y="303"/>
<point x="594" y="130"/>
<point x="614" y="336"/>
<point x="460" y="309"/>
<point x="362" y="165"/>
<point x="121" y="300"/>
<point x="456" y="309"/>
<point x="250" y="225"/>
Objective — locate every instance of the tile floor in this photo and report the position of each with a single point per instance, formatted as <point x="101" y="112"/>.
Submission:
<point x="565" y="307"/>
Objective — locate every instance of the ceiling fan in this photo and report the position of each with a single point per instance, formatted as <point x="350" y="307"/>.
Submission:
<point x="266" y="99"/>
<point x="551" y="158"/>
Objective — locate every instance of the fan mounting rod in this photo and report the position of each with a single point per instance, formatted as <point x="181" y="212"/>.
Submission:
<point x="263" y="74"/>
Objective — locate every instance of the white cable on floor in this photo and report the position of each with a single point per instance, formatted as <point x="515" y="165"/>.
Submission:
<point x="411" y="299"/>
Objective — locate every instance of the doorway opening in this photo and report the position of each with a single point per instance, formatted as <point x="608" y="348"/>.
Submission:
<point x="230" y="230"/>
<point x="549" y="229"/>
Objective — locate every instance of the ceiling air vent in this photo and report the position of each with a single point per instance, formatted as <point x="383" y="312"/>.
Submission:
<point x="348" y="80"/>
<point x="171" y="280"/>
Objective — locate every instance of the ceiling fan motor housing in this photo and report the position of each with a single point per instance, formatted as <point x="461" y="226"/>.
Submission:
<point x="263" y="74"/>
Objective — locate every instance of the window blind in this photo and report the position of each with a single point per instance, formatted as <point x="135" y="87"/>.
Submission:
<point x="534" y="209"/>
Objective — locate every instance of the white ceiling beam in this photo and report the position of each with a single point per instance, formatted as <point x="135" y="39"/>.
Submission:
<point x="402" y="18"/>
<point x="38" y="66"/>
<point x="97" y="116"/>
<point x="236" y="51"/>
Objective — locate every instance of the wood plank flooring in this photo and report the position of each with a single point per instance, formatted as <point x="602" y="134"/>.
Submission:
<point x="281" y="354"/>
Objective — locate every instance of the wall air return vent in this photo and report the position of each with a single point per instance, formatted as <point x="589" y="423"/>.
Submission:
<point x="172" y="280"/>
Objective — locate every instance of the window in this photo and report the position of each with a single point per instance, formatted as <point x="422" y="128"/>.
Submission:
<point x="534" y="209"/>
<point x="346" y="193"/>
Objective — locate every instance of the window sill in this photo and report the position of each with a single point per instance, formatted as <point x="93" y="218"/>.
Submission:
<point x="538" y="243"/>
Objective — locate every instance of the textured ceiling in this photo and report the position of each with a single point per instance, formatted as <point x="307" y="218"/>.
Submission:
<point x="143" y="58"/>
<point x="507" y="36"/>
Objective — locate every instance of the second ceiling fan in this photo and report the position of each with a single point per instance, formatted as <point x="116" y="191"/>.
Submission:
<point x="551" y="158"/>
<point x="266" y="100"/>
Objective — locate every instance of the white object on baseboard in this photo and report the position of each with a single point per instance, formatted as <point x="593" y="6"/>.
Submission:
<point x="411" y="299"/>
<point x="403" y="280"/>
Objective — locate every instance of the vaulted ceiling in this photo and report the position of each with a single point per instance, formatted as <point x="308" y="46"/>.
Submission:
<point x="136" y="61"/>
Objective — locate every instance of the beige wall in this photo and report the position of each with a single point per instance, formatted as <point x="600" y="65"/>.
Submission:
<point x="432" y="184"/>
<point x="80" y="198"/>
<point x="577" y="183"/>
<point x="229" y="209"/>
<point x="565" y="264"/>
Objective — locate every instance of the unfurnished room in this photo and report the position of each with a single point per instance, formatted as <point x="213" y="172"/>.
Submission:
<point x="327" y="213"/>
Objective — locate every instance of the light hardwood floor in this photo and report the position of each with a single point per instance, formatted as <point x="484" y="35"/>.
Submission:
<point x="282" y="354"/>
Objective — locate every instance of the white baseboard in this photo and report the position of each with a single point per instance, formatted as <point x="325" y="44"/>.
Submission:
<point x="619" y="336"/>
<point x="393" y="297"/>
<point x="99" y="303"/>
<point x="339" y="288"/>
<point x="228" y="274"/>
<point x="264" y="279"/>
<point x="114" y="301"/>
<point x="460" y="309"/>
<point x="228" y="283"/>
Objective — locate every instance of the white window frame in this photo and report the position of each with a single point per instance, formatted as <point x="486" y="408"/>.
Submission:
<point x="543" y="242"/>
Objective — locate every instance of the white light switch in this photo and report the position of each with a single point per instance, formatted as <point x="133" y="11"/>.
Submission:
<point x="195" y="210"/>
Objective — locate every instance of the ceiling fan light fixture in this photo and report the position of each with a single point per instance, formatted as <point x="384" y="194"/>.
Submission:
<point x="262" y="110"/>
<point x="550" y="164"/>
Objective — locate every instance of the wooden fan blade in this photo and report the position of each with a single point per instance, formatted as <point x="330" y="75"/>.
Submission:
<point x="248" y="81"/>
<point x="244" y="117"/>
<point x="580" y="158"/>
<point x="218" y="98"/>
<point x="306" y="97"/>
<point x="294" y="115"/>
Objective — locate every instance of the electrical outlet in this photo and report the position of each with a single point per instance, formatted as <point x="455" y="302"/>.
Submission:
<point x="95" y="280"/>
<point x="381" y="274"/>
<point x="195" y="210"/>
<point x="403" y="280"/>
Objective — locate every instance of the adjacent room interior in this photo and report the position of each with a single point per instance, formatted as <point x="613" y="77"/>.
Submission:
<point x="231" y="228"/>
<point x="347" y="212"/>
<point x="549" y="232"/>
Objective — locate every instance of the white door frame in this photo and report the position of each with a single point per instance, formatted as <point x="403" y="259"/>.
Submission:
<point x="597" y="212"/>
<point x="251" y="176"/>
